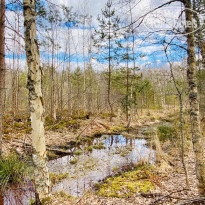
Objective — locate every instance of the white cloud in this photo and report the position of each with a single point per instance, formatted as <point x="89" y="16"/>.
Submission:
<point x="150" y="49"/>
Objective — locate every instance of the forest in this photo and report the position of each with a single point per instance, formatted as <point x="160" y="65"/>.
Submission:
<point x="102" y="102"/>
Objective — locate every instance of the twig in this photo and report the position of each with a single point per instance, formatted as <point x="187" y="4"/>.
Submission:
<point x="168" y="195"/>
<point x="190" y="201"/>
<point x="82" y="196"/>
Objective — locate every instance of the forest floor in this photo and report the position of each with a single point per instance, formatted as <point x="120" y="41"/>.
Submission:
<point x="18" y="133"/>
<point x="171" y="183"/>
<point x="170" y="189"/>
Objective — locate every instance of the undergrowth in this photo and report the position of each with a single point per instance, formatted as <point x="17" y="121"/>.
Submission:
<point x="166" y="132"/>
<point x="13" y="170"/>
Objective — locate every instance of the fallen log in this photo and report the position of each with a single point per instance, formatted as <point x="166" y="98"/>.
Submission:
<point x="57" y="151"/>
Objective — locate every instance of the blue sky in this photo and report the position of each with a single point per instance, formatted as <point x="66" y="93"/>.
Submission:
<point x="147" y="53"/>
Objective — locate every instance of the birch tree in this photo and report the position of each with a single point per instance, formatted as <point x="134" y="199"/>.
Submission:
<point x="34" y="85"/>
<point x="197" y="138"/>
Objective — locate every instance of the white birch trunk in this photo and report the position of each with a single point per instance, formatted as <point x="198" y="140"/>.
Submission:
<point x="41" y="176"/>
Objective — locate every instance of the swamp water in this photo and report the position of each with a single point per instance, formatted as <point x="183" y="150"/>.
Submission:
<point x="116" y="153"/>
<point x="92" y="162"/>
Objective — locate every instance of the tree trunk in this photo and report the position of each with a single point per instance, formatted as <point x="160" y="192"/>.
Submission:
<point x="61" y="90"/>
<point x="17" y="71"/>
<point x="179" y="93"/>
<point x="2" y="67"/>
<point x="127" y="87"/>
<point x="134" y="66"/>
<point x="109" y="79"/>
<point x="84" y="67"/>
<point x="194" y="104"/>
<point x="34" y="85"/>
<point x="199" y="35"/>
<point x="69" y="99"/>
<point x="53" y="107"/>
<point x="182" y="138"/>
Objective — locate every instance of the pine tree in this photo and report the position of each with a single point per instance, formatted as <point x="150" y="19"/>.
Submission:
<point x="106" y="42"/>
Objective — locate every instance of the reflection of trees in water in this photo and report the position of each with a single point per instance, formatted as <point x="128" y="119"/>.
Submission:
<point x="17" y="195"/>
<point x="112" y="139"/>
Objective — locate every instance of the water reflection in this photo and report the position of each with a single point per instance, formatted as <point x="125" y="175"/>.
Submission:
<point x="119" y="151"/>
<point x="95" y="164"/>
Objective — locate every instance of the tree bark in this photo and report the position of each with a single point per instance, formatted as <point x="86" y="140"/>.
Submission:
<point x="84" y="67"/>
<point x="2" y="67"/>
<point x="199" y="34"/>
<point x="197" y="138"/>
<point x="69" y="99"/>
<point x="34" y="85"/>
<point x="109" y="86"/>
<point x="53" y="106"/>
<point x="109" y="75"/>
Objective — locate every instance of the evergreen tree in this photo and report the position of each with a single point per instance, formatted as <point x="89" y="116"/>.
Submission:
<point x="106" y="37"/>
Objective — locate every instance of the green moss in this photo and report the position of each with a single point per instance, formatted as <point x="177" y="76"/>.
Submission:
<point x="28" y="130"/>
<point x="60" y="124"/>
<point x="128" y="183"/>
<point x="115" y="169"/>
<point x="80" y="116"/>
<point x="52" y="155"/>
<point x="32" y="201"/>
<point x="104" y="137"/>
<point x="49" y="121"/>
<point x="78" y="152"/>
<point x="56" y="178"/>
<point x="72" y="122"/>
<point x="106" y="115"/>
<point x="18" y="125"/>
<point x="64" y="195"/>
<point x="7" y="130"/>
<point x="88" y="139"/>
<point x="46" y="200"/>
<point x="117" y="129"/>
<point x="90" y="149"/>
<point x="57" y="127"/>
<point x="73" y="161"/>
<point x="99" y="146"/>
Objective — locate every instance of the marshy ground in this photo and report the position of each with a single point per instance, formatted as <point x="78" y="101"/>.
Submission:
<point x="109" y="163"/>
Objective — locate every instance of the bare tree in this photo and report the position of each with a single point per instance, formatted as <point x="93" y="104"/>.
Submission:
<point x="2" y="67"/>
<point x="180" y="97"/>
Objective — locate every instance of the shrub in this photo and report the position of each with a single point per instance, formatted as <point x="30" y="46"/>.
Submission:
<point x="166" y="132"/>
<point x="13" y="170"/>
